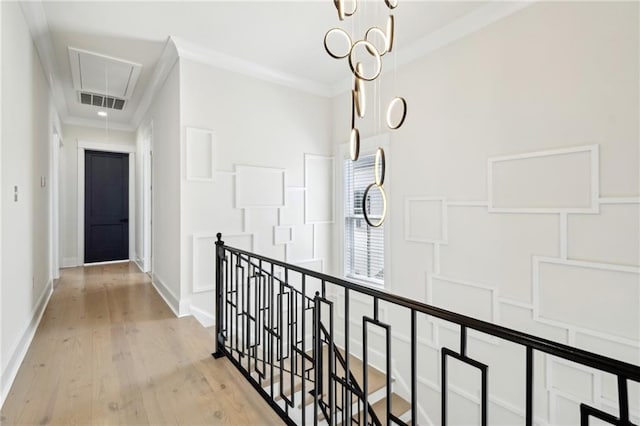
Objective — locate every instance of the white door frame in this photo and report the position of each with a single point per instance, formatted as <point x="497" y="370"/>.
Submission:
<point x="105" y="147"/>
<point x="54" y="204"/>
<point x="147" y="148"/>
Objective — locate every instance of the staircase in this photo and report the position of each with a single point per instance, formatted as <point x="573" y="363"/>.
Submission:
<point x="278" y="325"/>
<point x="304" y="403"/>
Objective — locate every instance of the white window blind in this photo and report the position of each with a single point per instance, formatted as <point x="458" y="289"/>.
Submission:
<point x="364" y="245"/>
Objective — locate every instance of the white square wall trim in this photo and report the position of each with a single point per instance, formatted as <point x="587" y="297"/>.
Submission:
<point x="425" y="219"/>
<point x="199" y="155"/>
<point x="554" y="181"/>
<point x="260" y="187"/>
<point x="204" y="255"/>
<point x="613" y="305"/>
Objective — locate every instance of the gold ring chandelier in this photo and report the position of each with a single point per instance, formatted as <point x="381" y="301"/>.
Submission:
<point x="352" y="50"/>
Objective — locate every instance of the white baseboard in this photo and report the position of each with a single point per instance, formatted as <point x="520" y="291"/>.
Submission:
<point x="203" y="317"/>
<point x="69" y="262"/>
<point x="184" y="308"/>
<point x="138" y="263"/>
<point x="167" y="295"/>
<point x="20" y="349"/>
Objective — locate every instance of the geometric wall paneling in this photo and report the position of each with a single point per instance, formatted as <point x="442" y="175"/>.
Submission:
<point x="203" y="269"/>
<point x="554" y="181"/>
<point x="260" y="222"/>
<point x="622" y="349"/>
<point x="282" y="234"/>
<point x="425" y="219"/>
<point x="319" y="182"/>
<point x="302" y="247"/>
<point x="571" y="380"/>
<point x="293" y="212"/>
<point x="463" y="297"/>
<point x="200" y="155"/>
<point x="520" y="317"/>
<point x="313" y="264"/>
<point x="613" y="306"/>
<point x="260" y="187"/>
<point x="613" y="236"/>
<point x="496" y="249"/>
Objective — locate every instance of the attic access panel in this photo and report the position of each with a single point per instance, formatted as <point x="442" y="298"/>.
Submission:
<point x="102" y="74"/>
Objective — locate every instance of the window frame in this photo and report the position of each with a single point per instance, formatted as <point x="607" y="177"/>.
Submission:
<point x="368" y="146"/>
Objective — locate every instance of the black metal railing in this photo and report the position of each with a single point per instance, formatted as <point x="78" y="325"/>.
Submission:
<point x="277" y="324"/>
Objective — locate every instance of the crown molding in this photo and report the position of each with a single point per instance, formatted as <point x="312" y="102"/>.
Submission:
<point x="161" y="71"/>
<point x="36" y="20"/>
<point x="97" y="124"/>
<point x="215" y="59"/>
<point x="461" y="27"/>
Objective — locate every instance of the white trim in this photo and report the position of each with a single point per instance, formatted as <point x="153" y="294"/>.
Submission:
<point x="495" y="310"/>
<point x="443" y="222"/>
<point x="564" y="235"/>
<point x="161" y="71"/>
<point x="537" y="260"/>
<point x="36" y="19"/>
<point x="19" y="350"/>
<point x="306" y="186"/>
<point x="467" y="203"/>
<point x="227" y="62"/>
<point x="196" y="287"/>
<point x="108" y="262"/>
<point x="106" y="147"/>
<point x="166" y="293"/>
<point x="190" y="131"/>
<point x="277" y="241"/>
<point x="203" y="317"/>
<point x="273" y="170"/>
<point x="147" y="148"/>
<point x="620" y="200"/>
<point x="593" y="150"/>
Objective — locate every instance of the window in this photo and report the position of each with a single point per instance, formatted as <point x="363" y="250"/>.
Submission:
<point x="364" y="245"/>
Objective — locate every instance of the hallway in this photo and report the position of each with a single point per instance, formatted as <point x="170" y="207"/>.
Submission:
<point x="109" y="351"/>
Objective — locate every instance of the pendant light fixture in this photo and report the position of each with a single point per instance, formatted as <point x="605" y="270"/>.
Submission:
<point x="357" y="51"/>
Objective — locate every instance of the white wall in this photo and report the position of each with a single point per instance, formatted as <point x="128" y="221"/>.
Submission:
<point x="261" y="124"/>
<point x="553" y="248"/>
<point x="165" y="115"/>
<point x="27" y="123"/>
<point x="69" y="181"/>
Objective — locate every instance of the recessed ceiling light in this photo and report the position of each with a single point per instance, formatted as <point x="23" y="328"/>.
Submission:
<point x="102" y="113"/>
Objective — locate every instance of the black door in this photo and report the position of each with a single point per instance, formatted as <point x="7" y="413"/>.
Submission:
<point x="106" y="206"/>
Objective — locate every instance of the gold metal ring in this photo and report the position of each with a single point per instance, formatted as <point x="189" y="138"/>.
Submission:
<point x="354" y="144"/>
<point x="391" y="4"/>
<point x="374" y="52"/>
<point x="345" y="35"/>
<point x="379" y="167"/>
<point x="390" y="108"/>
<point x="376" y="30"/>
<point x="391" y="28"/>
<point x="359" y="97"/>
<point x="355" y="8"/>
<point x="384" y="205"/>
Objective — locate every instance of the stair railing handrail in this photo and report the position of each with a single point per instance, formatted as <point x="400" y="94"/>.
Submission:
<point x="581" y="356"/>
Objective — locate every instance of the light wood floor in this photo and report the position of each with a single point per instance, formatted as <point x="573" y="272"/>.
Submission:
<point x="109" y="351"/>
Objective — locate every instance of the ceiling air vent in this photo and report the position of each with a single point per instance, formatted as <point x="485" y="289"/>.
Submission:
<point x="94" y="99"/>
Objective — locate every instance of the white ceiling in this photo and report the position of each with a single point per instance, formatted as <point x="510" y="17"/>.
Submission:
<point x="285" y="37"/>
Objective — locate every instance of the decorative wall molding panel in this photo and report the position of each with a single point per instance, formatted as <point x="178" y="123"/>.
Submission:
<point x="425" y="219"/>
<point x="204" y="249"/>
<point x="282" y="234"/>
<point x="464" y="297"/>
<point x="612" y="286"/>
<point x="199" y="155"/>
<point x="260" y="187"/>
<point x="319" y="173"/>
<point x="554" y="181"/>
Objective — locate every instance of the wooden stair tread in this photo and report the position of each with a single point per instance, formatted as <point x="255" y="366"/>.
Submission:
<point x="399" y="406"/>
